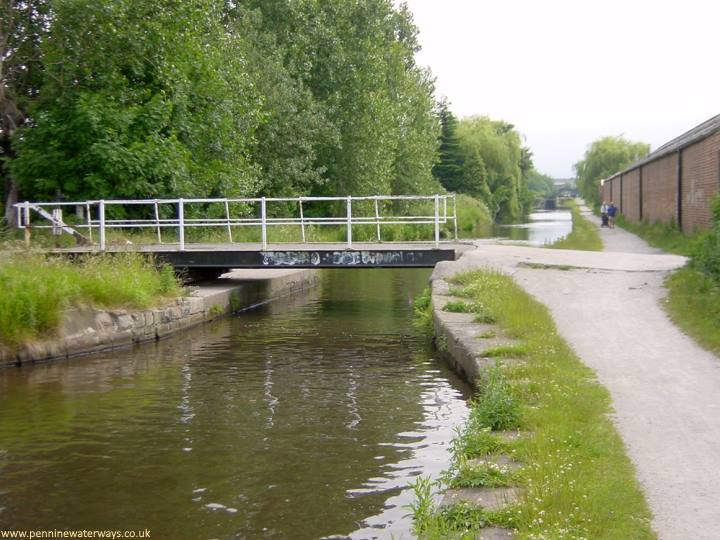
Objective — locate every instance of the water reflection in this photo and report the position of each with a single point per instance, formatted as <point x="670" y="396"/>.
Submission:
<point x="296" y="422"/>
<point x="543" y="227"/>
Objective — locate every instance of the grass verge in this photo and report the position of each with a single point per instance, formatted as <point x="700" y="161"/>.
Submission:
<point x="577" y="480"/>
<point x="693" y="303"/>
<point x="35" y="289"/>
<point x="665" y="236"/>
<point x="584" y="235"/>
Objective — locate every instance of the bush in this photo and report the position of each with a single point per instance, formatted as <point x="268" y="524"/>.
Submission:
<point x="705" y="251"/>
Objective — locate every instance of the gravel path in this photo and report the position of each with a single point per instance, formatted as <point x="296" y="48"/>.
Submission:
<point x="665" y="389"/>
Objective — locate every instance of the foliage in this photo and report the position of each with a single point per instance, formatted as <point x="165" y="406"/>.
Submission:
<point x="357" y="60"/>
<point x="472" y="215"/>
<point x="603" y="158"/>
<point x="32" y="302"/>
<point x="140" y="98"/>
<point x="540" y="184"/>
<point x="23" y="27"/>
<point x="584" y="234"/>
<point x="694" y="291"/>
<point x="662" y="235"/>
<point x="422" y="309"/>
<point x="493" y="155"/>
<point x="449" y="170"/>
<point x="705" y="251"/>
<point x="496" y="407"/>
<point x="693" y="303"/>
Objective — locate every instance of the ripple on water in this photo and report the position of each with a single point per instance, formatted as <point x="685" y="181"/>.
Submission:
<point x="298" y="423"/>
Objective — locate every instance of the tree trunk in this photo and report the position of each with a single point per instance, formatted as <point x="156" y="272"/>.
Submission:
<point x="11" y="197"/>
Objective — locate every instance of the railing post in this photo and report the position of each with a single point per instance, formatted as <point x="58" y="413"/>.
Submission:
<point x="377" y="219"/>
<point x="25" y="213"/>
<point x="227" y="216"/>
<point x="349" y="221"/>
<point x="263" y="222"/>
<point x="455" y="215"/>
<point x="89" y="220"/>
<point x="181" y="223"/>
<point x="437" y="220"/>
<point x="302" y="220"/>
<point x="157" y="222"/>
<point x="101" y="216"/>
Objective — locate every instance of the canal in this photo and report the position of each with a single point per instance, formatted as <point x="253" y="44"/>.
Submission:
<point x="542" y="227"/>
<point x="306" y="418"/>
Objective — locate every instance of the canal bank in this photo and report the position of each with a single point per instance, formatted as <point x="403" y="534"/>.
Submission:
<point x="86" y="329"/>
<point x="568" y="474"/>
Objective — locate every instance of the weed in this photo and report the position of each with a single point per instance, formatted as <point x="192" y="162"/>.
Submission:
<point x="507" y="351"/>
<point x="487" y="335"/>
<point x="423" y="317"/>
<point x="496" y="407"/>
<point x="457" y="306"/>
<point x="476" y="441"/>
<point x="486" y="475"/>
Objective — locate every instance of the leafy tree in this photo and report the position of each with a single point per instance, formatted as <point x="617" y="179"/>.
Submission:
<point x="499" y="147"/>
<point x="23" y="27"/>
<point x="141" y="98"/>
<point x="357" y="60"/>
<point x="603" y="158"/>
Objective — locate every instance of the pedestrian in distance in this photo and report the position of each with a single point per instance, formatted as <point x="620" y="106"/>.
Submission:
<point x="612" y="212"/>
<point x="604" y="214"/>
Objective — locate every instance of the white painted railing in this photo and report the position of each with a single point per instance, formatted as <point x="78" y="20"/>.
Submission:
<point x="93" y="216"/>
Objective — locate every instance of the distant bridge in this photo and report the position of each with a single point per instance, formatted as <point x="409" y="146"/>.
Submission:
<point x="209" y="236"/>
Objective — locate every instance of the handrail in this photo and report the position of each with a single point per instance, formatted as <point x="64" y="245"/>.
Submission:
<point x="96" y="215"/>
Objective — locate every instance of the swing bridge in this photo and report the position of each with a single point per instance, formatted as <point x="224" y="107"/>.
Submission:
<point x="207" y="237"/>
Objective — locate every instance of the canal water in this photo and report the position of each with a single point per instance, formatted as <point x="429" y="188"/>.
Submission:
<point x="305" y="418"/>
<point x="543" y="227"/>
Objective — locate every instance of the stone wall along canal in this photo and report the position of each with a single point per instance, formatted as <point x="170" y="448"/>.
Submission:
<point x="306" y="418"/>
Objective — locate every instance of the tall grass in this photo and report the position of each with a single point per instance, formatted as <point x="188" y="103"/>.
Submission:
<point x="35" y="289"/>
<point x="577" y="480"/>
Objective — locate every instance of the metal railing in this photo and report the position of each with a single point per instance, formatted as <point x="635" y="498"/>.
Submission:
<point x="94" y="219"/>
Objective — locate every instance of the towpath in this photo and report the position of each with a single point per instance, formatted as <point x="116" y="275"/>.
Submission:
<point x="665" y="389"/>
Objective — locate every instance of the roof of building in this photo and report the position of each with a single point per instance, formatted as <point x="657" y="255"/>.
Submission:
<point x="698" y="133"/>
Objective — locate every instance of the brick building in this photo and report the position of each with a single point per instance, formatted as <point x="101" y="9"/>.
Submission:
<point x="675" y="183"/>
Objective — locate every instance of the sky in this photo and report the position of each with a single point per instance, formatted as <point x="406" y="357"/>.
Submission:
<point x="568" y="72"/>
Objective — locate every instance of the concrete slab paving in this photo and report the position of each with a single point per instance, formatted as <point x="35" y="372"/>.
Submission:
<point x="489" y="498"/>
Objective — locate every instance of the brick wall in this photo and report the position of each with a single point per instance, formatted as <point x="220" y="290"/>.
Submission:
<point x="700" y="182"/>
<point x="660" y="189"/>
<point x="629" y="202"/>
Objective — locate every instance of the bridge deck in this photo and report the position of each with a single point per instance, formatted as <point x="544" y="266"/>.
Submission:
<point x="308" y="255"/>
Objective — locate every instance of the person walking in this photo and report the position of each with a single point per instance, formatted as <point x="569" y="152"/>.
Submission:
<point x="611" y="212"/>
<point x="604" y="214"/>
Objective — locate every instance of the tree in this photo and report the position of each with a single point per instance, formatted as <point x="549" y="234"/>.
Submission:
<point x="141" y="98"/>
<point x="449" y="169"/>
<point x="23" y="27"/>
<point x="357" y="60"/>
<point x="499" y="147"/>
<point x="603" y="158"/>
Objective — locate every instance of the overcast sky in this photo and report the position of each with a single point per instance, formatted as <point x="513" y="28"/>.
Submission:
<point x="567" y="72"/>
